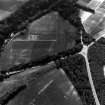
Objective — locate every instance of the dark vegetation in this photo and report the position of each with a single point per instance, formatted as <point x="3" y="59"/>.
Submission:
<point x="32" y="10"/>
<point x="72" y="64"/>
<point x="75" y="69"/>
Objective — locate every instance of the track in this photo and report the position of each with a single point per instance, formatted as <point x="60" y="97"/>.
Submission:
<point x="82" y="64"/>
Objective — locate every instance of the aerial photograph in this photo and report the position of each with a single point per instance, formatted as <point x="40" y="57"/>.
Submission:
<point x="52" y="52"/>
